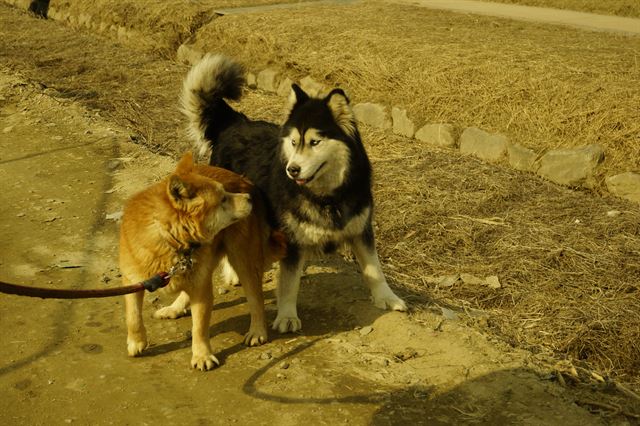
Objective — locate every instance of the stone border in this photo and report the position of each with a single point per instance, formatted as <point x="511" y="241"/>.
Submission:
<point x="576" y="167"/>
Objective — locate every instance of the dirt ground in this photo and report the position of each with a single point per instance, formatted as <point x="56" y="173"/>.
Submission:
<point x="67" y="163"/>
<point x="65" y="171"/>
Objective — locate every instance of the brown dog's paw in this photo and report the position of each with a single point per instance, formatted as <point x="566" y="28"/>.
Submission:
<point x="253" y="338"/>
<point x="136" y="347"/>
<point x="204" y="362"/>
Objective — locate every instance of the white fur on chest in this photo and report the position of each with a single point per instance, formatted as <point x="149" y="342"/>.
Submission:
<point x="320" y="230"/>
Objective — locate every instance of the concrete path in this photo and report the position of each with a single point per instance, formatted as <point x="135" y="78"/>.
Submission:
<point x="587" y="21"/>
<point x="277" y="6"/>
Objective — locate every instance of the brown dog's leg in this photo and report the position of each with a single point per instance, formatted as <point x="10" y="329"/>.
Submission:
<point x="251" y="279"/>
<point x="136" y="333"/>
<point x="201" y="296"/>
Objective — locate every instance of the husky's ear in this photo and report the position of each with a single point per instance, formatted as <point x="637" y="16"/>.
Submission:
<point x="180" y="192"/>
<point x="185" y="165"/>
<point x="297" y="94"/>
<point x="338" y="103"/>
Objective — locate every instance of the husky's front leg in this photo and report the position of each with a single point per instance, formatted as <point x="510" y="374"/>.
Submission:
<point x="287" y="291"/>
<point x="364" y="249"/>
<point x="179" y="308"/>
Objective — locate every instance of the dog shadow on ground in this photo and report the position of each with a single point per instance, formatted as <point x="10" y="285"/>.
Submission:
<point x="506" y="397"/>
<point x="329" y="292"/>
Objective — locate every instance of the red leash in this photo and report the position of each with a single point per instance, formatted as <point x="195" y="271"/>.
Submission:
<point x="152" y="284"/>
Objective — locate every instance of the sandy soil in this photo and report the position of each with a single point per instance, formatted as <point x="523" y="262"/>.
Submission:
<point x="65" y="170"/>
<point x="583" y="20"/>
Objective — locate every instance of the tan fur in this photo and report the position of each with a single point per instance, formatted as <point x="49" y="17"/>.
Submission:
<point x="209" y="206"/>
<point x="342" y="112"/>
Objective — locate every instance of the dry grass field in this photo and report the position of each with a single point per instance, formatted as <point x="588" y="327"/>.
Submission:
<point x="630" y="8"/>
<point x="543" y="86"/>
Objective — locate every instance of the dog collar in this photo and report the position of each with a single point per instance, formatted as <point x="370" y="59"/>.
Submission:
<point x="185" y="259"/>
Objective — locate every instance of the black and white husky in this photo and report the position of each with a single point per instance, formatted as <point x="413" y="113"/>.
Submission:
<point x="313" y="172"/>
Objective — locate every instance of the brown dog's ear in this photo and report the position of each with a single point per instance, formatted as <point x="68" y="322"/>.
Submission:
<point x="179" y="191"/>
<point x="338" y="103"/>
<point x="185" y="165"/>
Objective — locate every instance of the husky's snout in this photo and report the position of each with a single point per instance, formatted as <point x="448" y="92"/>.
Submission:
<point x="293" y="171"/>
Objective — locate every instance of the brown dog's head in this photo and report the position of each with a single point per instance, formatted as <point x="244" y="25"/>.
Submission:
<point x="202" y="204"/>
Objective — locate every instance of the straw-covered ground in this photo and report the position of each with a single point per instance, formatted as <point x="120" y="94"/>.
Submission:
<point x="542" y="86"/>
<point x="630" y="8"/>
<point x="173" y="21"/>
<point x="569" y="272"/>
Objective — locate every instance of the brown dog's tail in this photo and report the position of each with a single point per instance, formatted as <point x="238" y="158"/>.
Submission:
<point x="205" y="87"/>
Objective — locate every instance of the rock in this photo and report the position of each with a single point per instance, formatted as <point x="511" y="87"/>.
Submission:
<point x="402" y="125"/>
<point x="366" y="330"/>
<point x="312" y="87"/>
<point x="492" y="282"/>
<point x="486" y="146"/>
<point x="571" y="167"/>
<point x="448" y="280"/>
<point x="114" y="165"/>
<point x="437" y="134"/>
<point x="374" y="115"/>
<point x="471" y="279"/>
<point x="114" y="216"/>
<point x="406" y="354"/>
<point x="188" y="55"/>
<point x="251" y="80"/>
<point x="284" y="88"/>
<point x="625" y="185"/>
<point x="521" y="158"/>
<point x="449" y="313"/>
<point x="268" y="80"/>
<point x="265" y="356"/>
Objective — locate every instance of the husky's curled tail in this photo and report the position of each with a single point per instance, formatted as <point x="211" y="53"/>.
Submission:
<point x="205" y="87"/>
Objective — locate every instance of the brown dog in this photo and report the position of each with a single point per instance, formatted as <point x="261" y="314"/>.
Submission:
<point x="194" y="217"/>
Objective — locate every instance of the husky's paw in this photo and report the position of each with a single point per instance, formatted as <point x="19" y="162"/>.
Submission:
<point x="204" y="362"/>
<point x="389" y="301"/>
<point x="229" y="276"/>
<point x="136" y="346"/>
<point x="287" y="324"/>
<point x="169" y="312"/>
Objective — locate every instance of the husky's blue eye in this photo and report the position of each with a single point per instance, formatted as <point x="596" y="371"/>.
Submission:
<point x="314" y="142"/>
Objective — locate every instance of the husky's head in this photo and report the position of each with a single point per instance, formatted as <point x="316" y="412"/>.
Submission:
<point x="318" y="140"/>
